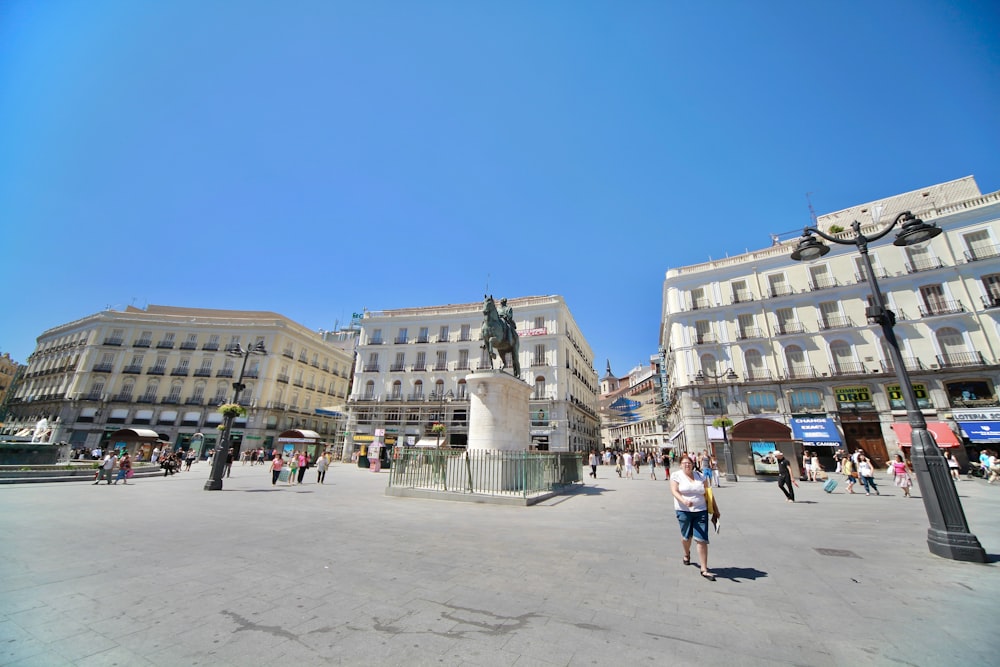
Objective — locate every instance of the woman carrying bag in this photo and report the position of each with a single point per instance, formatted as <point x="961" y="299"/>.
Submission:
<point x="688" y="488"/>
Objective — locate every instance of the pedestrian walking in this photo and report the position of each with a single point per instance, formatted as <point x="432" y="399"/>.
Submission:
<point x="189" y="459"/>
<point x="714" y="463"/>
<point x="785" y="479"/>
<point x="293" y="468"/>
<point x="867" y="473"/>
<point x="322" y="463"/>
<point x="107" y="466"/>
<point x="303" y="465"/>
<point x="619" y="462"/>
<point x="850" y="476"/>
<point x="952" y="465"/>
<point x="665" y="458"/>
<point x="629" y="466"/>
<point x="124" y="468"/>
<point x="901" y="476"/>
<point x="807" y="467"/>
<point x="593" y="464"/>
<point x="276" y="465"/>
<point x="688" y="488"/>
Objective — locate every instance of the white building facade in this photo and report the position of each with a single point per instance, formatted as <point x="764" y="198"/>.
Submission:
<point x="412" y="365"/>
<point x="808" y="370"/>
<point x="167" y="369"/>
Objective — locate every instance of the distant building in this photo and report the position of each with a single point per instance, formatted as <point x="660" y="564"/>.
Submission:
<point x="167" y="369"/>
<point x="808" y="370"/>
<point x="8" y="378"/>
<point x="412" y="364"/>
<point x="631" y="409"/>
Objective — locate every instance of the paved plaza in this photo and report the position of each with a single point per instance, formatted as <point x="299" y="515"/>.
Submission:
<point x="161" y="572"/>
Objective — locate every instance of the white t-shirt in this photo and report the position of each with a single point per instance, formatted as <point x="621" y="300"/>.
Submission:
<point x="690" y="490"/>
<point x="628" y="460"/>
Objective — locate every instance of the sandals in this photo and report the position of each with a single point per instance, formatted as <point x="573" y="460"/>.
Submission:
<point x="687" y="560"/>
<point x="708" y="575"/>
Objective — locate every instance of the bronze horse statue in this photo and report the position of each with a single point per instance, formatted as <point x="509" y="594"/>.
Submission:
<point x="499" y="337"/>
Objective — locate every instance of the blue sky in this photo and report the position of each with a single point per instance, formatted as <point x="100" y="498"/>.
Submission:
<point x="317" y="158"/>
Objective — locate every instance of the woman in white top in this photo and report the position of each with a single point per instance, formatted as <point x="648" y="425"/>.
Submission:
<point x="688" y="488"/>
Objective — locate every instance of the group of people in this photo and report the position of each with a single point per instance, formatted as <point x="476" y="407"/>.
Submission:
<point x="990" y="465"/>
<point x="112" y="461"/>
<point x="297" y="463"/>
<point x="253" y="456"/>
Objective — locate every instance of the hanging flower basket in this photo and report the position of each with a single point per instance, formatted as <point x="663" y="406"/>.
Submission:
<point x="722" y="422"/>
<point x="437" y="428"/>
<point x="232" y="410"/>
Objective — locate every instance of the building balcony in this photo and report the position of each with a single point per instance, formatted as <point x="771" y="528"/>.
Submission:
<point x="941" y="307"/>
<point x="415" y="397"/>
<point x="288" y="353"/>
<point x="142" y="343"/>
<point x="210" y="347"/>
<point x="919" y="265"/>
<point x="847" y="368"/>
<point x="800" y="371"/>
<point x="165" y="345"/>
<point x="224" y="373"/>
<point x="912" y="364"/>
<point x="705" y="339"/>
<point x="195" y="400"/>
<point x="187" y="345"/>
<point x="146" y="399"/>
<point x="203" y="373"/>
<point x="397" y="368"/>
<point x="116" y="342"/>
<point x="877" y="270"/>
<point x="700" y="304"/>
<point x="303" y="359"/>
<point x="991" y="301"/>
<point x="251" y="374"/>
<point x="789" y="328"/>
<point x="282" y="378"/>
<point x="371" y="368"/>
<point x="376" y="341"/>
<point x="180" y="371"/>
<point x="123" y="397"/>
<point x="400" y="340"/>
<point x="823" y="283"/>
<point x="310" y="386"/>
<point x="92" y="396"/>
<point x="982" y="252"/>
<point x="297" y="383"/>
<point x="750" y="332"/>
<point x="464" y="366"/>
<point x="441" y="367"/>
<point x="171" y="400"/>
<point x="103" y="368"/>
<point x="757" y="374"/>
<point x="956" y="359"/>
<point x="835" y="322"/>
<point x="780" y="290"/>
<point x="742" y="296"/>
<point x="132" y="369"/>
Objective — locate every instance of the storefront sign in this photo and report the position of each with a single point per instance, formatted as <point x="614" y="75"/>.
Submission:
<point x="987" y="415"/>
<point x="981" y="431"/>
<point x="532" y="332"/>
<point x="896" y="396"/>
<point x="853" y="397"/>
<point x="815" y="430"/>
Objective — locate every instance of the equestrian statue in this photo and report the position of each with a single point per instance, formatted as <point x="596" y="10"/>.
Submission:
<point x="500" y="333"/>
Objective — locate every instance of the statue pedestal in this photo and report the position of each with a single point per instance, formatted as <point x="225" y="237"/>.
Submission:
<point x="499" y="417"/>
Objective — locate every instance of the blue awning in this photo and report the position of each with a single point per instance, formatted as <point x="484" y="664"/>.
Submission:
<point x="981" y="431"/>
<point x="818" y="430"/>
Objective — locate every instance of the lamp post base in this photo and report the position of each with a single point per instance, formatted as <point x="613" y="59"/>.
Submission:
<point x="955" y="546"/>
<point x="213" y="485"/>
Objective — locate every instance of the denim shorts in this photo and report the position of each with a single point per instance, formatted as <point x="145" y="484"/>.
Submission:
<point x="693" y="524"/>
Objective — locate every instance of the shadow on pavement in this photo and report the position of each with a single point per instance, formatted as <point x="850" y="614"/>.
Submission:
<point x="734" y="574"/>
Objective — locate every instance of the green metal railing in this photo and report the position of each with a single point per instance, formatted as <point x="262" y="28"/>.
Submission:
<point x="485" y="472"/>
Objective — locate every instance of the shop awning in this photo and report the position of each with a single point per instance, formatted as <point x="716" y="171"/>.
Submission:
<point x="981" y="431"/>
<point x="816" y="430"/>
<point x="942" y="434"/>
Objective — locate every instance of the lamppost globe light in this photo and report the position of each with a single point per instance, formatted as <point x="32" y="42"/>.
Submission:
<point x="948" y="535"/>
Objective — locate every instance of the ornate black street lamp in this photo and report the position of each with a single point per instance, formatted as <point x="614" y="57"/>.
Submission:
<point x="222" y="451"/>
<point x="948" y="535"/>
<point x="442" y="397"/>
<point x="727" y="452"/>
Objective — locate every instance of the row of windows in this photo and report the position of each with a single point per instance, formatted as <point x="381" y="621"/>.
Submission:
<point x="416" y="390"/>
<point x="953" y="350"/>
<point x="443" y="334"/>
<point x="441" y="360"/>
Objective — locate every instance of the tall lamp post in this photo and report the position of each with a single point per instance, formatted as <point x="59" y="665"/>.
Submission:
<point x="727" y="452"/>
<point x="222" y="451"/>
<point x="442" y="397"/>
<point x="948" y="535"/>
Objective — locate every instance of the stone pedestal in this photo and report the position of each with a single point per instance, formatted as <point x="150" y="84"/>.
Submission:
<point x="499" y="417"/>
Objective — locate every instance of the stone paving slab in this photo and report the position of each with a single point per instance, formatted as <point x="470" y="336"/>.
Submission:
<point x="164" y="573"/>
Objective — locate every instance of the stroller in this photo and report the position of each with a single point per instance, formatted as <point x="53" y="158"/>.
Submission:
<point x="976" y="470"/>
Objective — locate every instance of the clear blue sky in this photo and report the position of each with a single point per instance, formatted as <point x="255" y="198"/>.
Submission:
<point x="316" y="158"/>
